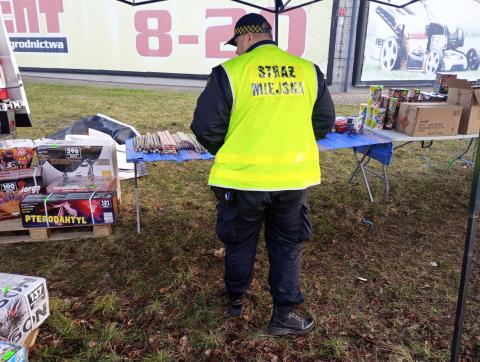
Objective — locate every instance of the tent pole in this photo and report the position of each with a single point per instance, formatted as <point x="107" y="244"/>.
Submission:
<point x="276" y="25"/>
<point x="473" y="211"/>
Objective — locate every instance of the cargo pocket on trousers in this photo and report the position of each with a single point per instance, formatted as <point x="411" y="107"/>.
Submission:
<point x="305" y="224"/>
<point x="226" y="224"/>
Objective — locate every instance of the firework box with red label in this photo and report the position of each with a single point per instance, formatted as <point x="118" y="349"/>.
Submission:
<point x="428" y="119"/>
<point x="24" y="306"/>
<point x="69" y="209"/>
<point x="89" y="157"/>
<point x="14" y="184"/>
<point x="12" y="353"/>
<point x="16" y="154"/>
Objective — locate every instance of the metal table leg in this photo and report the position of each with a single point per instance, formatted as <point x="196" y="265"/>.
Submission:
<point x="360" y="167"/>
<point x="385" y="182"/>
<point x="460" y="156"/>
<point x="137" y="198"/>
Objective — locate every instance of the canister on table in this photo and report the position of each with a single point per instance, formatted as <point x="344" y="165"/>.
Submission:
<point x="390" y="114"/>
<point x="363" y="112"/>
<point x="368" y="121"/>
<point x="354" y="125"/>
<point x="381" y="112"/>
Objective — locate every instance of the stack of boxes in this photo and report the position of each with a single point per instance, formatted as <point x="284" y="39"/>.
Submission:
<point x="17" y="176"/>
<point x="75" y="183"/>
<point x="82" y="185"/>
<point x="418" y="113"/>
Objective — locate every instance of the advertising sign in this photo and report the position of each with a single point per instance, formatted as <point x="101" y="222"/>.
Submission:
<point x="416" y="42"/>
<point x="175" y="36"/>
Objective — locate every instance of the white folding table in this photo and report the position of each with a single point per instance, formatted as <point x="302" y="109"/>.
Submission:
<point x="396" y="136"/>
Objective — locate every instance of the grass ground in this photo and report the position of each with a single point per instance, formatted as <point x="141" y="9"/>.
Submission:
<point x="159" y="297"/>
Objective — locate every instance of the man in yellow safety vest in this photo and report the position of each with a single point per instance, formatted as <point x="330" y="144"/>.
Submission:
<point x="261" y="114"/>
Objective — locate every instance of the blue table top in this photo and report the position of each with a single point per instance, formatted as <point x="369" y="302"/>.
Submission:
<point x="333" y="141"/>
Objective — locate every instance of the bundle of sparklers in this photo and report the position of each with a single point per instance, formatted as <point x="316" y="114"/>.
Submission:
<point x="166" y="143"/>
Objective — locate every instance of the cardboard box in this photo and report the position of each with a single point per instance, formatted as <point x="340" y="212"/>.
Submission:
<point x="12" y="353"/>
<point x="441" y="85"/>
<point x="14" y="184"/>
<point x="24" y="306"/>
<point x="428" y="119"/>
<point x="16" y="154"/>
<point x="463" y="94"/>
<point x="69" y="209"/>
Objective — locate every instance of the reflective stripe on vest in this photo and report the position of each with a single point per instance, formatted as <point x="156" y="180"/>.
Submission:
<point x="270" y="144"/>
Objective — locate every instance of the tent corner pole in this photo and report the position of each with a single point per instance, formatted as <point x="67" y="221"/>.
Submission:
<point x="473" y="212"/>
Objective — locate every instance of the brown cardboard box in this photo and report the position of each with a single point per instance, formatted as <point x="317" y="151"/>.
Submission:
<point x="428" y="119"/>
<point x="463" y="94"/>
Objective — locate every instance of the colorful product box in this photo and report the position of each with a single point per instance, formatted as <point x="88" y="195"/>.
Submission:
<point x="16" y="154"/>
<point x="440" y="86"/>
<point x="398" y="92"/>
<point x="69" y="209"/>
<point x="391" y="114"/>
<point x="12" y="353"/>
<point x="375" y="95"/>
<point x="14" y="184"/>
<point x="363" y="112"/>
<point x="24" y="306"/>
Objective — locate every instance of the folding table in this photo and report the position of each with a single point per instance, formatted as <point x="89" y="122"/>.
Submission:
<point x="369" y="144"/>
<point x="395" y="136"/>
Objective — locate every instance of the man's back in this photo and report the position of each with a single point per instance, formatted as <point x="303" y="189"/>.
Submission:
<point x="270" y="144"/>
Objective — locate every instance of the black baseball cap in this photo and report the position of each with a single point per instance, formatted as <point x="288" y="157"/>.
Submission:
<point x="250" y="23"/>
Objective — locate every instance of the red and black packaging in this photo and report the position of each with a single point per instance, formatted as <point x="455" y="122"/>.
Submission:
<point x="14" y="185"/>
<point x="69" y="209"/>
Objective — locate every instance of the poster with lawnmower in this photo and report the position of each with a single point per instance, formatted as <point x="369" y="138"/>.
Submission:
<point x="422" y="39"/>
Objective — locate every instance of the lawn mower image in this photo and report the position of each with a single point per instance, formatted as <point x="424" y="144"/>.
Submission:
<point x="409" y="45"/>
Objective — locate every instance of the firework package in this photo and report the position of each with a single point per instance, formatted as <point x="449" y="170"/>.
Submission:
<point x="69" y="209"/>
<point x="24" y="306"/>
<point x="88" y="157"/>
<point x="166" y="143"/>
<point x="82" y="184"/>
<point x="12" y="353"/>
<point x="16" y="154"/>
<point x="76" y="158"/>
<point x="14" y="184"/>
<point x="440" y="85"/>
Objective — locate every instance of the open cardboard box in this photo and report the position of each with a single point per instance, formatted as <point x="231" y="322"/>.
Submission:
<point x="461" y="93"/>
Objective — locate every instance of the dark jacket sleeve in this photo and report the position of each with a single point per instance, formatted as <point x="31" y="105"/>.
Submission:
<point x="212" y="114"/>
<point x="323" y="115"/>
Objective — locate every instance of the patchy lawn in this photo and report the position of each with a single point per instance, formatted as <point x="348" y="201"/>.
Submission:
<point x="160" y="296"/>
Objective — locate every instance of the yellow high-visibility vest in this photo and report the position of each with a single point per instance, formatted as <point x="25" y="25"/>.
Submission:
<point x="270" y="144"/>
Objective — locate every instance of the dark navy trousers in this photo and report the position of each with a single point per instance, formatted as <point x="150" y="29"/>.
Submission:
<point x="240" y="216"/>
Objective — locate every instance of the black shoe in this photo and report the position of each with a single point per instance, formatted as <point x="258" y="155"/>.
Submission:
<point x="234" y="307"/>
<point x="286" y="322"/>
